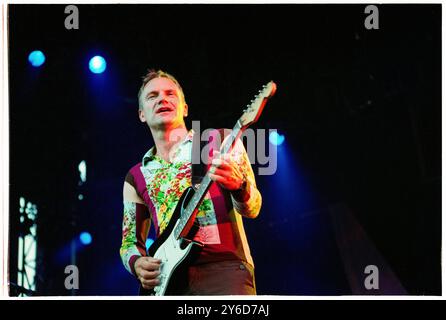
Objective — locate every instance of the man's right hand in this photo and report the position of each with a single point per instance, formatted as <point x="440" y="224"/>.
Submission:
<point x="147" y="271"/>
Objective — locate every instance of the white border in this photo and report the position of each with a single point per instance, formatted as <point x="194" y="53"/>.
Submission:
<point x="4" y="162"/>
<point x="222" y="1"/>
<point x="443" y="192"/>
<point x="230" y="298"/>
<point x="4" y="154"/>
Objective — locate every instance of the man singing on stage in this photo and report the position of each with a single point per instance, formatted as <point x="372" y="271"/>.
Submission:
<point x="152" y="188"/>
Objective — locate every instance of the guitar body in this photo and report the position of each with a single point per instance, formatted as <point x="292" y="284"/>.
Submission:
<point x="171" y="251"/>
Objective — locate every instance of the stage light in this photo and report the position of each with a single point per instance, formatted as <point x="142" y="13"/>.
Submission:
<point x="85" y="238"/>
<point x="149" y="242"/>
<point x="97" y="64"/>
<point x="36" y="58"/>
<point x="82" y="167"/>
<point x="276" y="138"/>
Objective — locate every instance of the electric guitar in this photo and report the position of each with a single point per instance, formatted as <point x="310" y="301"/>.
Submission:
<point x="174" y="245"/>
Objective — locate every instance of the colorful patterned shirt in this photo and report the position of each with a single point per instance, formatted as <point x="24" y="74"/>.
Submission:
<point x="160" y="184"/>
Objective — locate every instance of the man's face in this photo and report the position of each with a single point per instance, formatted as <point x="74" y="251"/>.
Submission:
<point x="162" y="104"/>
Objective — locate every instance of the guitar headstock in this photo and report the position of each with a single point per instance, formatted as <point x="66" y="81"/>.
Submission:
<point x="253" y="110"/>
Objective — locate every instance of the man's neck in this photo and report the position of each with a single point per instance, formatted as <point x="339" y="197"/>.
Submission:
<point x="167" y="139"/>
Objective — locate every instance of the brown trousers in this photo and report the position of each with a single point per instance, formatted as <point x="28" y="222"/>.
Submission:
<point x="216" y="278"/>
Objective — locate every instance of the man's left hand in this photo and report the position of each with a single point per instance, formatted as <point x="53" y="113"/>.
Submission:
<point x="226" y="172"/>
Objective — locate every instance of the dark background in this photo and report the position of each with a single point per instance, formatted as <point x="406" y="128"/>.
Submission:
<point x="360" y="110"/>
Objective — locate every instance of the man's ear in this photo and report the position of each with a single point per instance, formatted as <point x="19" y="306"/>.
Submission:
<point x="141" y="115"/>
<point x="186" y="110"/>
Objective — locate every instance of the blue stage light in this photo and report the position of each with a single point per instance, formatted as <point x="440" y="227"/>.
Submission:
<point x="97" y="64"/>
<point x="36" y="58"/>
<point x="85" y="238"/>
<point x="276" y="138"/>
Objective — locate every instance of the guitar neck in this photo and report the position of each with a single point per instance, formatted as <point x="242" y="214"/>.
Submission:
<point x="200" y="193"/>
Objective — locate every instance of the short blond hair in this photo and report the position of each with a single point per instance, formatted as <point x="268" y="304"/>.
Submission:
<point x="152" y="74"/>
